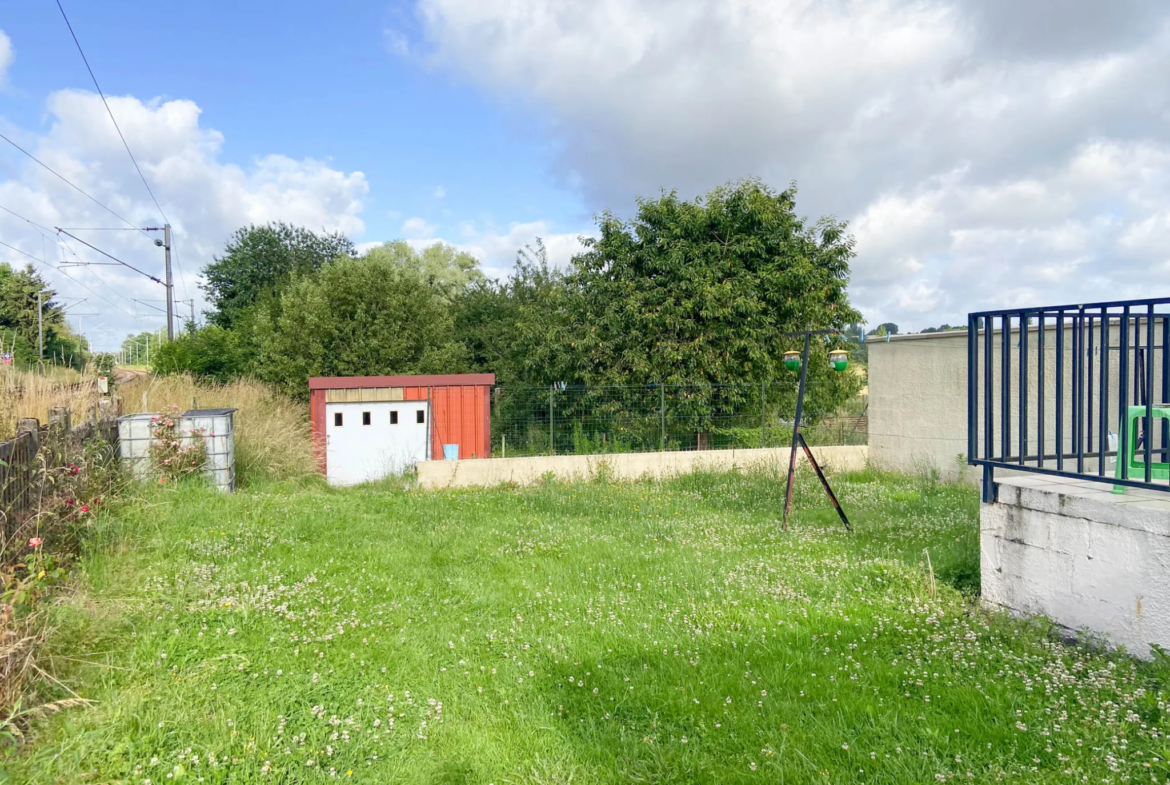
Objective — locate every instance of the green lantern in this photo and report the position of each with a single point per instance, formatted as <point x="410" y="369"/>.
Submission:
<point x="839" y="359"/>
<point x="792" y="361"/>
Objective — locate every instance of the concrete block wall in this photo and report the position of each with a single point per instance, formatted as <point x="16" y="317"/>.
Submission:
<point x="624" y="466"/>
<point x="918" y="403"/>
<point x="1086" y="560"/>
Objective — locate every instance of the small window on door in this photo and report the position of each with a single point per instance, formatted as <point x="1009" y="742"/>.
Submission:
<point x="338" y="421"/>
<point x="393" y="418"/>
<point x="420" y="416"/>
<point x="365" y="418"/>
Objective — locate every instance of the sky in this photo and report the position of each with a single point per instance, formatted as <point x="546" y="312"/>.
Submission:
<point x="986" y="153"/>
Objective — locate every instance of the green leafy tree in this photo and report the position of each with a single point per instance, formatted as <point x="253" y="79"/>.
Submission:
<point x="510" y="327"/>
<point x="258" y="262"/>
<point x="858" y="351"/>
<point x="884" y="329"/>
<point x="142" y="347"/>
<point x="703" y="291"/>
<point x="210" y="352"/>
<point x="442" y="266"/>
<point x="353" y="317"/>
<point x="18" y="319"/>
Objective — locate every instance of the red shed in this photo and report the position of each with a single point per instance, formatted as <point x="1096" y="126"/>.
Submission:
<point x="368" y="427"/>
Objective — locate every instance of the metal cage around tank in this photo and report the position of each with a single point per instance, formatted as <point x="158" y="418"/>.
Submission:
<point x="215" y="427"/>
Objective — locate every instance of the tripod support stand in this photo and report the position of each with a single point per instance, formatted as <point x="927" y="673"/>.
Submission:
<point x="798" y="440"/>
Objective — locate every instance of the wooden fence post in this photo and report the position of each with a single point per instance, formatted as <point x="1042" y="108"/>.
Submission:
<point x="60" y="418"/>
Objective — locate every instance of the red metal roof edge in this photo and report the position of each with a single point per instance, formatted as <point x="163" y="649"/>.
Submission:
<point x="439" y="380"/>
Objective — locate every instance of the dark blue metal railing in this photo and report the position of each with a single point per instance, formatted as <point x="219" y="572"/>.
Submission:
<point x="1054" y="391"/>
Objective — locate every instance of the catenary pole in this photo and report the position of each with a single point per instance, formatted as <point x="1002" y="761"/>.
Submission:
<point x="170" y="284"/>
<point x="40" y="333"/>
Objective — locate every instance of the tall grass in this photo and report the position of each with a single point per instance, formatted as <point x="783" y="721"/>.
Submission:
<point x="24" y="394"/>
<point x="655" y="632"/>
<point x="271" y="430"/>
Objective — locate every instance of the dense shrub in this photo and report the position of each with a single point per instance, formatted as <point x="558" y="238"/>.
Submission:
<point x="210" y="352"/>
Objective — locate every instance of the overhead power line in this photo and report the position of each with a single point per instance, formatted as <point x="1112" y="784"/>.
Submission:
<point x="117" y="128"/>
<point x="109" y="111"/>
<point x="111" y="256"/>
<point x="70" y="183"/>
<point x="67" y="275"/>
<point x="26" y="220"/>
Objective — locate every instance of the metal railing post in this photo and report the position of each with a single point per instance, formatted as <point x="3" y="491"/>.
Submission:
<point x="1149" y="386"/>
<point x="1123" y="398"/>
<point x="1023" y="387"/>
<point x="763" y="415"/>
<point x="972" y="386"/>
<point x="1060" y="390"/>
<point x="662" y="416"/>
<point x="1040" y="338"/>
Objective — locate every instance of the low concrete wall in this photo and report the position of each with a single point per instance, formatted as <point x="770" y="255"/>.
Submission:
<point x="1081" y="557"/>
<point x="622" y="466"/>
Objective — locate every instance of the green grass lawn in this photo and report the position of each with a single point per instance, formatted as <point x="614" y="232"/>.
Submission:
<point x="592" y="633"/>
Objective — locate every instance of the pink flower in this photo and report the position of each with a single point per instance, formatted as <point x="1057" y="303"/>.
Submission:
<point x="162" y="479"/>
<point x="85" y="508"/>
<point x="69" y="501"/>
<point x="35" y="542"/>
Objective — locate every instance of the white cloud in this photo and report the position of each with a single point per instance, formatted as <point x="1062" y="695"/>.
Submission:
<point x="986" y="151"/>
<point x="205" y="199"/>
<point x="440" y="192"/>
<point x="414" y="228"/>
<point x="496" y="248"/>
<point x="7" y="55"/>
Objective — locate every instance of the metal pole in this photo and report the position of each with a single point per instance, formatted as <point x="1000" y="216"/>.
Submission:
<point x="763" y="415"/>
<point x="192" y="314"/>
<point x="552" y="445"/>
<point x="40" y="332"/>
<point x="170" y="285"/>
<point x="662" y="414"/>
<point x="796" y="430"/>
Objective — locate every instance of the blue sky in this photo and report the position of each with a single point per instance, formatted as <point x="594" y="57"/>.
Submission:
<point x="986" y="153"/>
<point x="287" y="78"/>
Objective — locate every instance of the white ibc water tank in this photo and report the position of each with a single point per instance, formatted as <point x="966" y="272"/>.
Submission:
<point x="217" y="428"/>
<point x="134" y="443"/>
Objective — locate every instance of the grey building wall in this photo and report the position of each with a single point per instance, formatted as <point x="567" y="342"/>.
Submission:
<point x="918" y="403"/>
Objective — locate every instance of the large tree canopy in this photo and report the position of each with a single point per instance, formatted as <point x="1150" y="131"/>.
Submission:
<point x="443" y="266"/>
<point x="18" y="319"/>
<point x="511" y="328"/>
<point x="702" y="291"/>
<point x="259" y="261"/>
<point x="355" y="317"/>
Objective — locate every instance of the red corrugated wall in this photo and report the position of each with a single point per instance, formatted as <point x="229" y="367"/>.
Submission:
<point x="460" y="408"/>
<point x="461" y="415"/>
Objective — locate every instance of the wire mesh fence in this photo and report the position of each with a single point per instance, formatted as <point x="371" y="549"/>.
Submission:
<point x="586" y="420"/>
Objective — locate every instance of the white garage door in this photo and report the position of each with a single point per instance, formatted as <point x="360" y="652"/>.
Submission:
<point x="369" y="441"/>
